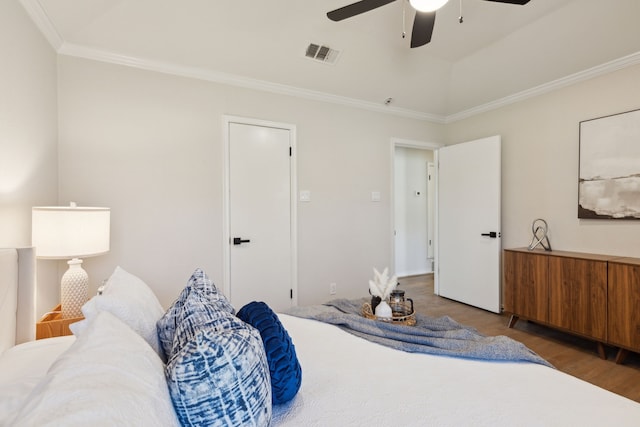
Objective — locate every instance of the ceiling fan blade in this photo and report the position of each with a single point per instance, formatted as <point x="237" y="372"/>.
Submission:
<point x="356" y="9"/>
<point x="520" y="2"/>
<point x="422" y="28"/>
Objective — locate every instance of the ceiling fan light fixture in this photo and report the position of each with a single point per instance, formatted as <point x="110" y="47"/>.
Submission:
<point x="427" y="5"/>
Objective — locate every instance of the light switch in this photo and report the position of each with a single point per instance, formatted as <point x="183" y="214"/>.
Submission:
<point x="375" y="196"/>
<point x="305" y="196"/>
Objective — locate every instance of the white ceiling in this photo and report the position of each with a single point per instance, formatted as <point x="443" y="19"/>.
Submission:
<point x="500" y="53"/>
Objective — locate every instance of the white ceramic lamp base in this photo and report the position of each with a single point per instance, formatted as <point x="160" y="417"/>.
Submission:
<point x="74" y="289"/>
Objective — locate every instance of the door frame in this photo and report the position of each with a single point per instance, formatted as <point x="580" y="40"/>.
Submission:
<point x="226" y="215"/>
<point x="420" y="145"/>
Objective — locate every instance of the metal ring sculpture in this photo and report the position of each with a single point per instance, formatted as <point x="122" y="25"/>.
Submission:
<point x="539" y="228"/>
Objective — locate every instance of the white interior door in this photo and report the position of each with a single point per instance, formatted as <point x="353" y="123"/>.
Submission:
<point x="469" y="246"/>
<point x="260" y="215"/>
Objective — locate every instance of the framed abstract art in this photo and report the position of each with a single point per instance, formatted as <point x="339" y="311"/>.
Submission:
<point x="609" y="170"/>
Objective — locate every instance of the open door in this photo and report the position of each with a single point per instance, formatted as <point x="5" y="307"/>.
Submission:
<point x="469" y="178"/>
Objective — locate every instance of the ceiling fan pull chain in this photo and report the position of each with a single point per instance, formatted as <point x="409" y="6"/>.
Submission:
<point x="460" y="18"/>
<point x="404" y="15"/>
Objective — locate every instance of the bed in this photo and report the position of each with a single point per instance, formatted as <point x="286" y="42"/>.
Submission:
<point x="113" y="373"/>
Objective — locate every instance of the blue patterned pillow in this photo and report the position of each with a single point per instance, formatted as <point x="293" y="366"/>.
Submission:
<point x="284" y="368"/>
<point x="200" y="284"/>
<point x="218" y="373"/>
<point x="197" y="314"/>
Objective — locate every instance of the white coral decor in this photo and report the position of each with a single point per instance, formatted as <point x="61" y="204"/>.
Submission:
<point x="381" y="286"/>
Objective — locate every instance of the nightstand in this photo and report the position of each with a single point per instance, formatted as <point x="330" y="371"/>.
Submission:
<point x="53" y="325"/>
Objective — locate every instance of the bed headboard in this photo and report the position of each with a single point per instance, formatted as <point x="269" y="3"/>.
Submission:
<point x="17" y="296"/>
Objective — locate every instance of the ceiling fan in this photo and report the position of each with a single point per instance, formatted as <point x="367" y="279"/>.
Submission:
<point x="423" y="22"/>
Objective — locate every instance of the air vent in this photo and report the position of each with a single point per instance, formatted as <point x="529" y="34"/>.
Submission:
<point x="322" y="53"/>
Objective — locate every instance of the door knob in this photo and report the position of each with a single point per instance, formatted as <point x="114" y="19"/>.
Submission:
<point x="239" y="241"/>
<point x="491" y="234"/>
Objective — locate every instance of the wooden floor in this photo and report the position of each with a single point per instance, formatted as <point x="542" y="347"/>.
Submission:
<point x="570" y="354"/>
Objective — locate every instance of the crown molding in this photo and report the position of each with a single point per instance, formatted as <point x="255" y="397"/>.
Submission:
<point x="42" y="21"/>
<point x="598" y="70"/>
<point x="260" y="85"/>
<point x="38" y="15"/>
<point x="236" y="80"/>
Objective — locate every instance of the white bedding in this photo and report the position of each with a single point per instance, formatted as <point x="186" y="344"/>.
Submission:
<point x="110" y="376"/>
<point x="349" y="381"/>
<point x="22" y="366"/>
<point x="346" y="381"/>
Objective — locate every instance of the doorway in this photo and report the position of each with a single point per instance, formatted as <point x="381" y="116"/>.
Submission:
<point x="412" y="202"/>
<point x="259" y="224"/>
<point x="413" y="223"/>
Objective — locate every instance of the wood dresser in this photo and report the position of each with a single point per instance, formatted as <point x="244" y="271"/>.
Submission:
<point x="590" y="295"/>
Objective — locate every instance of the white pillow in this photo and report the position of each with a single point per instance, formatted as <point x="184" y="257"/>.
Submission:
<point x="108" y="377"/>
<point x="129" y="299"/>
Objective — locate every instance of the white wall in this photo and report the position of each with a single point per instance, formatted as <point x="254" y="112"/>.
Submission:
<point x="540" y="142"/>
<point x="149" y="146"/>
<point x="28" y="135"/>
<point x="410" y="216"/>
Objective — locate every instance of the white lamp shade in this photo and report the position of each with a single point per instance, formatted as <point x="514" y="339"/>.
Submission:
<point x="70" y="232"/>
<point x="427" y="5"/>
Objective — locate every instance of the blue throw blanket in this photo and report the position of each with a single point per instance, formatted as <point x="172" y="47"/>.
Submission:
<point x="441" y="336"/>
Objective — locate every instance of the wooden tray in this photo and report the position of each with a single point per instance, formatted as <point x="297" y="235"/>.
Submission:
<point x="53" y="325"/>
<point x="408" y="320"/>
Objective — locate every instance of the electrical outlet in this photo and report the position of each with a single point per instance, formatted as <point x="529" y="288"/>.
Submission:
<point x="333" y="288"/>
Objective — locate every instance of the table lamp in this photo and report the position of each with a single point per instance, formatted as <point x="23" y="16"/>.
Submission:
<point x="71" y="232"/>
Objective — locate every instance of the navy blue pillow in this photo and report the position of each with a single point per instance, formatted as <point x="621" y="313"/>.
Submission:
<point x="286" y="373"/>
